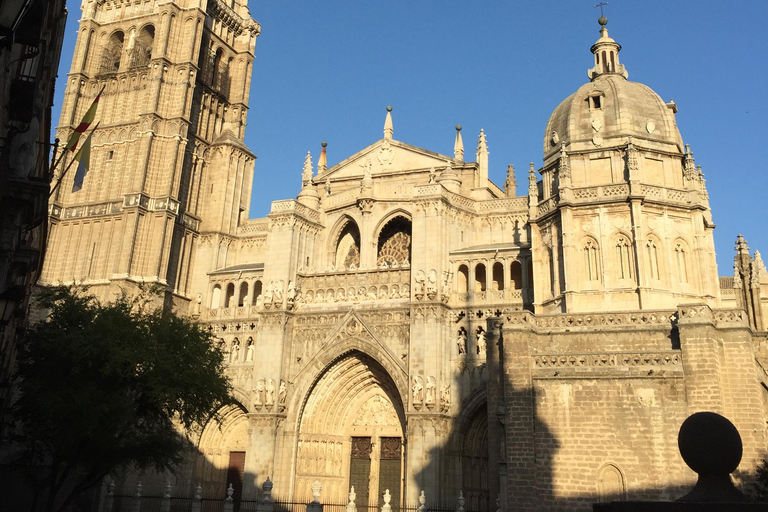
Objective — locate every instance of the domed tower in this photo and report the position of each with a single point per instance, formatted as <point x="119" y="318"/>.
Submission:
<point x="621" y="216"/>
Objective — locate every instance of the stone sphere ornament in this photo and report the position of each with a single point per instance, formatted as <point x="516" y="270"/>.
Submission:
<point x="711" y="446"/>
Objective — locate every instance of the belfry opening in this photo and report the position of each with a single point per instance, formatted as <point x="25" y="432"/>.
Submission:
<point x="351" y="434"/>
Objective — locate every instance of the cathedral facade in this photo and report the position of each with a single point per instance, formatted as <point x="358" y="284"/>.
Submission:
<point x="405" y="324"/>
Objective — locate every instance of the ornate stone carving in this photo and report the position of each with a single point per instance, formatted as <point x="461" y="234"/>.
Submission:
<point x="431" y="284"/>
<point x="445" y="398"/>
<point x="429" y="397"/>
<point x="461" y="341"/>
<point x="417" y="391"/>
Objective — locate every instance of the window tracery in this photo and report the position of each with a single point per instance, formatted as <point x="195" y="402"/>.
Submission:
<point x="682" y="264"/>
<point x="653" y="259"/>
<point x="623" y="258"/>
<point x="592" y="272"/>
<point x="394" y="247"/>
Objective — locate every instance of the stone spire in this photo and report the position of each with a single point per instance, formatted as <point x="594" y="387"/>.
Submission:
<point x="306" y="175"/>
<point x="389" y="129"/>
<point x="458" y="145"/>
<point x="322" y="162"/>
<point x="689" y="164"/>
<point x="308" y="195"/>
<point x="482" y="158"/>
<point x="606" y="52"/>
<point x="533" y="190"/>
<point x="510" y="184"/>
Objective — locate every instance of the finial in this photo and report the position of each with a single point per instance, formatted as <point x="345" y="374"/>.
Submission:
<point x="510" y="184"/>
<point x="458" y="145"/>
<point x="322" y="162"/>
<point x="389" y="129"/>
<point x="306" y="175"/>
<point x="482" y="144"/>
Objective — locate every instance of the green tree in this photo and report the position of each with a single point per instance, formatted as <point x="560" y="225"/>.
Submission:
<point x="104" y="387"/>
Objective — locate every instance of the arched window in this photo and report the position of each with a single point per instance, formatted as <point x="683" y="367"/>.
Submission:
<point x="463" y="279"/>
<point x="229" y="298"/>
<point x="605" y="63"/>
<point x="498" y="276"/>
<point x="653" y="258"/>
<point x="112" y="53"/>
<point x="140" y="47"/>
<point x="591" y="265"/>
<point x="516" y="275"/>
<point x="480" y="278"/>
<point x="216" y="297"/>
<point x="394" y="243"/>
<point x="241" y="299"/>
<point x="682" y="261"/>
<point x="623" y="258"/>
<point x="348" y="247"/>
<point x="256" y="291"/>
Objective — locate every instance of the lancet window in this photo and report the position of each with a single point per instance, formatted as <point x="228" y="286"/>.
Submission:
<point x="516" y="275"/>
<point x="480" y="278"/>
<point x="591" y="261"/>
<point x="463" y="279"/>
<point x="112" y="54"/>
<point x="498" y="276"/>
<point x="653" y="259"/>
<point x="682" y="263"/>
<point x="348" y="248"/>
<point x="623" y="258"/>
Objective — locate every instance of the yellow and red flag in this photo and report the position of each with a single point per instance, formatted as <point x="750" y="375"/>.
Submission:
<point x="83" y="158"/>
<point x="84" y="124"/>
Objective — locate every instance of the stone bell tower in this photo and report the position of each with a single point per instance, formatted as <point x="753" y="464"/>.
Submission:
<point x="167" y="158"/>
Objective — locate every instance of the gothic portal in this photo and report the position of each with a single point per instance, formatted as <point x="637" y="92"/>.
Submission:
<point x="406" y="324"/>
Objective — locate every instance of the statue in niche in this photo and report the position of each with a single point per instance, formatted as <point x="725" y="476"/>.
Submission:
<point x="270" y="393"/>
<point x="429" y="398"/>
<point x="278" y="293"/>
<point x="198" y="304"/>
<point x="432" y="175"/>
<point x="282" y="393"/>
<point x="420" y="285"/>
<point x="432" y="284"/>
<point x="246" y="301"/>
<point x="235" y="351"/>
<point x="291" y="293"/>
<point x="445" y="397"/>
<point x="417" y="390"/>
<point x="259" y="397"/>
<point x="395" y="292"/>
<point x="249" y="350"/>
<point x="461" y="342"/>
<point x="231" y="302"/>
<point x="268" y="295"/>
<point x="327" y="187"/>
<point x="480" y="336"/>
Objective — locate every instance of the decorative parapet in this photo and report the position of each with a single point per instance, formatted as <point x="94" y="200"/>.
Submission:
<point x="231" y="19"/>
<point x="694" y="314"/>
<point x="490" y="297"/>
<point x="292" y="206"/>
<point x="588" y="321"/>
<point x="254" y="226"/>
<point x="667" y="358"/>
<point x="729" y="318"/>
<point x="355" y="286"/>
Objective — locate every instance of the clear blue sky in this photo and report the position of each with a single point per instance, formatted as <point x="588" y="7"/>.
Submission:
<point x="326" y="70"/>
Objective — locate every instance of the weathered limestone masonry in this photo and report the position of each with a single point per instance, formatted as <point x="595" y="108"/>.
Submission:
<point x="405" y="324"/>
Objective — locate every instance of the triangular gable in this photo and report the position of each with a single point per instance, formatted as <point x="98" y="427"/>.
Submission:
<point x="382" y="158"/>
<point x="352" y="326"/>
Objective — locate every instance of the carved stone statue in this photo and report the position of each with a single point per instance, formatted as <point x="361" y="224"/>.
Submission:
<point x="291" y="294"/>
<point x="198" y="304"/>
<point x="461" y="342"/>
<point x="231" y="302"/>
<point x="282" y="393"/>
<point x="246" y="301"/>
<point x="445" y="397"/>
<point x="268" y="295"/>
<point x="278" y="293"/>
<point x="430" y="395"/>
<point x="432" y="284"/>
<point x="328" y="187"/>
<point x="417" y="390"/>
<point x="270" y="395"/>
<point x="420" y="285"/>
<point x="249" y="350"/>
<point x="235" y="353"/>
<point x="260" y="388"/>
<point x="480" y="340"/>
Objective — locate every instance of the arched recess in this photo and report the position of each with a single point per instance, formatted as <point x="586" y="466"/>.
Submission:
<point x="463" y="279"/>
<point x="516" y="275"/>
<point x="221" y="452"/>
<point x="470" y="450"/>
<point x="112" y="53"/>
<point x="216" y="297"/>
<point x="229" y="298"/>
<point x="257" y="287"/>
<point x="393" y="242"/>
<point x="140" y="47"/>
<point x="498" y="276"/>
<point x="345" y="253"/>
<point x="611" y="484"/>
<point x="681" y="261"/>
<point x="243" y="294"/>
<point x="479" y="278"/>
<point x="351" y="432"/>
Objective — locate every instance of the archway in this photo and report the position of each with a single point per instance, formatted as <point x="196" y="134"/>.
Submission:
<point x="351" y="434"/>
<point x="221" y="453"/>
<point x="474" y="463"/>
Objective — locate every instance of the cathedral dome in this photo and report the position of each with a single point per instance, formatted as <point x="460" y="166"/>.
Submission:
<point x="609" y="109"/>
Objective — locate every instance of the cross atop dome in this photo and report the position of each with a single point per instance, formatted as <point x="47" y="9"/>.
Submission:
<point x="606" y="52"/>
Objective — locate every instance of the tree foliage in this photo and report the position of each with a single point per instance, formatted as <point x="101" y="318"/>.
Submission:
<point x="107" y="386"/>
<point x="761" y="482"/>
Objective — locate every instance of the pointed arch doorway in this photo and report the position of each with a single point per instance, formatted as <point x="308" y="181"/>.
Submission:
<point x="351" y="434"/>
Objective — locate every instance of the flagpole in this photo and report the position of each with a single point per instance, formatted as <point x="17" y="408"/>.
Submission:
<point x="61" y="178"/>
